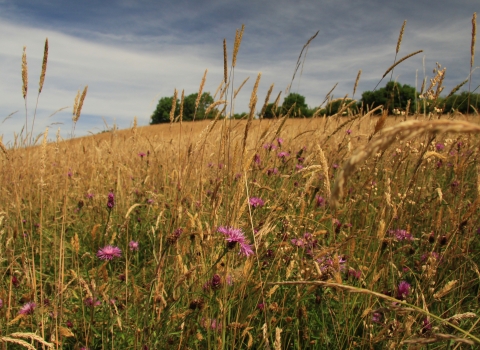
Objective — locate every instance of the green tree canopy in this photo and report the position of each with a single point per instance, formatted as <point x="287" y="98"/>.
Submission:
<point x="162" y="112"/>
<point x="164" y="106"/>
<point x="393" y="95"/>
<point x="300" y="109"/>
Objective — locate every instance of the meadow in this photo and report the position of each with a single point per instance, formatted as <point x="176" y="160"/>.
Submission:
<point x="354" y="231"/>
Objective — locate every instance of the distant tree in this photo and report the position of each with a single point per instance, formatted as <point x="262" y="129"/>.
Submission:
<point x="393" y="96"/>
<point x="189" y="107"/>
<point x="272" y="112"/>
<point x="300" y="110"/>
<point x="334" y="106"/>
<point x="458" y="102"/>
<point x="162" y="112"/>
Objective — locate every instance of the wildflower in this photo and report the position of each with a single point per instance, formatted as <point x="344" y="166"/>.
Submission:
<point x="149" y="201"/>
<point x="273" y="171"/>
<point x="403" y="290"/>
<point x="283" y="155"/>
<point x="439" y="146"/>
<point x="280" y="141"/>
<point x="335" y="166"/>
<point x="89" y="195"/>
<point x="256" y="159"/>
<point x="427" y="326"/>
<point x="15" y="281"/>
<point x="269" y="146"/>
<point x="256" y="202"/>
<point x="133" y="245"/>
<point x="142" y="154"/>
<point x="234" y="236"/>
<point x="377" y="317"/>
<point x="69" y="324"/>
<point x="299" y="166"/>
<point x="92" y="302"/>
<point x="401" y="235"/>
<point x="298" y="242"/>
<point x="174" y="236"/>
<point x="261" y="306"/>
<point x="319" y="201"/>
<point x="27" y="309"/>
<point x="355" y="274"/>
<point x="349" y="132"/>
<point x="1" y="303"/>
<point x="111" y="200"/>
<point x="109" y="252"/>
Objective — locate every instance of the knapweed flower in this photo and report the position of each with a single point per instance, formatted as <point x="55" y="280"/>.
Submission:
<point x="319" y="201"/>
<point x="111" y="200"/>
<point x="15" y="281"/>
<point x="234" y="236"/>
<point x="142" y="154"/>
<point x="279" y="141"/>
<point x="27" y="309"/>
<point x="401" y="235"/>
<point x="269" y="146"/>
<point x="89" y="195"/>
<point x="283" y="155"/>
<point x="439" y="146"/>
<point x="403" y="290"/>
<point x="92" y="302"/>
<point x="273" y="171"/>
<point x="349" y="132"/>
<point x="133" y="245"/>
<point x="109" y="252"/>
<point x="256" y="202"/>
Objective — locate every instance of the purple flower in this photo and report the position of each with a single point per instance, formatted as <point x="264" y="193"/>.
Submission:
<point x="69" y="324"/>
<point x="256" y="202"/>
<point x="15" y="281"/>
<point x="427" y="326"/>
<point x="349" y="132"/>
<point x="89" y="195"/>
<point x="27" y="309"/>
<point x="439" y="146"/>
<point x="142" y="154"/>
<point x="133" y="245"/>
<point x="269" y="146"/>
<point x="109" y="252"/>
<point x="283" y="155"/>
<point x="234" y="236"/>
<point x="335" y="166"/>
<point x="298" y="242"/>
<point x="319" y="201"/>
<point x="111" y="200"/>
<point x="92" y="302"/>
<point x="299" y="166"/>
<point x="273" y="171"/>
<point x="279" y="141"/>
<point x="401" y="235"/>
<point x="377" y="317"/>
<point x="261" y="306"/>
<point x="256" y="159"/>
<point x="355" y="274"/>
<point x="403" y="290"/>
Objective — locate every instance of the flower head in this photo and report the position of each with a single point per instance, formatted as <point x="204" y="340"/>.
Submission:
<point x="256" y="202"/>
<point x="234" y="236"/>
<point x="401" y="235"/>
<point x="133" y="245"/>
<point x="403" y="290"/>
<point x="142" y="154"/>
<point x="109" y="252"/>
<point x="111" y="200"/>
<point x="439" y="146"/>
<point x="92" y="302"/>
<point x="27" y="309"/>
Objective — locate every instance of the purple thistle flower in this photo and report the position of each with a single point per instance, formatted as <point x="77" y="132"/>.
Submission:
<point x="234" y="236"/>
<point x="403" y="290"/>
<point x="92" y="302"/>
<point x="279" y="141"/>
<point x="319" y="201"/>
<point x="27" y="309"/>
<point x="439" y="146"/>
<point x="273" y="171"/>
<point x="111" y="200"/>
<point x="109" y="252"/>
<point x="269" y="146"/>
<point x="133" y="245"/>
<point x="142" y="154"/>
<point x="427" y="326"/>
<point x="349" y="132"/>
<point x="335" y="166"/>
<point x="283" y="155"/>
<point x="256" y="159"/>
<point x="256" y="202"/>
<point x="401" y="235"/>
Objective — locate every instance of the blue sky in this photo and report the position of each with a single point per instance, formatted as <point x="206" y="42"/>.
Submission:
<point x="131" y="53"/>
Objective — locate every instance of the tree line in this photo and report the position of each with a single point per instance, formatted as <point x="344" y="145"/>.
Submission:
<point x="394" y="98"/>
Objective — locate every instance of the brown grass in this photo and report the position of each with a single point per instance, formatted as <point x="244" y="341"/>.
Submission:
<point x="44" y="67"/>
<point x="24" y="73"/>
<point x="400" y="61"/>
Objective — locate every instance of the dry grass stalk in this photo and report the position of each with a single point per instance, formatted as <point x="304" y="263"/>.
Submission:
<point x="324" y="164"/>
<point x="404" y="131"/>
<point x="399" y="41"/>
<point x="24" y="73"/>
<point x="400" y="61"/>
<point x="437" y="338"/>
<point x="225" y="67"/>
<point x="240" y="87"/>
<point x="174" y="106"/>
<point x="236" y="45"/>
<point x="182" y="100"/>
<point x="32" y="336"/>
<point x="75" y="105"/>
<point x="265" y="104"/>
<point x="79" y="106"/>
<point x="213" y="105"/>
<point x="278" y="339"/>
<point x="445" y="290"/>
<point x="44" y="66"/>
<point x="200" y="91"/>
<point x="474" y="36"/>
<point x="356" y="82"/>
<point x="17" y="341"/>
<point x="4" y="149"/>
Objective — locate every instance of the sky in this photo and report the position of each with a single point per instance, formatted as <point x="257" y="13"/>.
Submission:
<point x="131" y="53"/>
